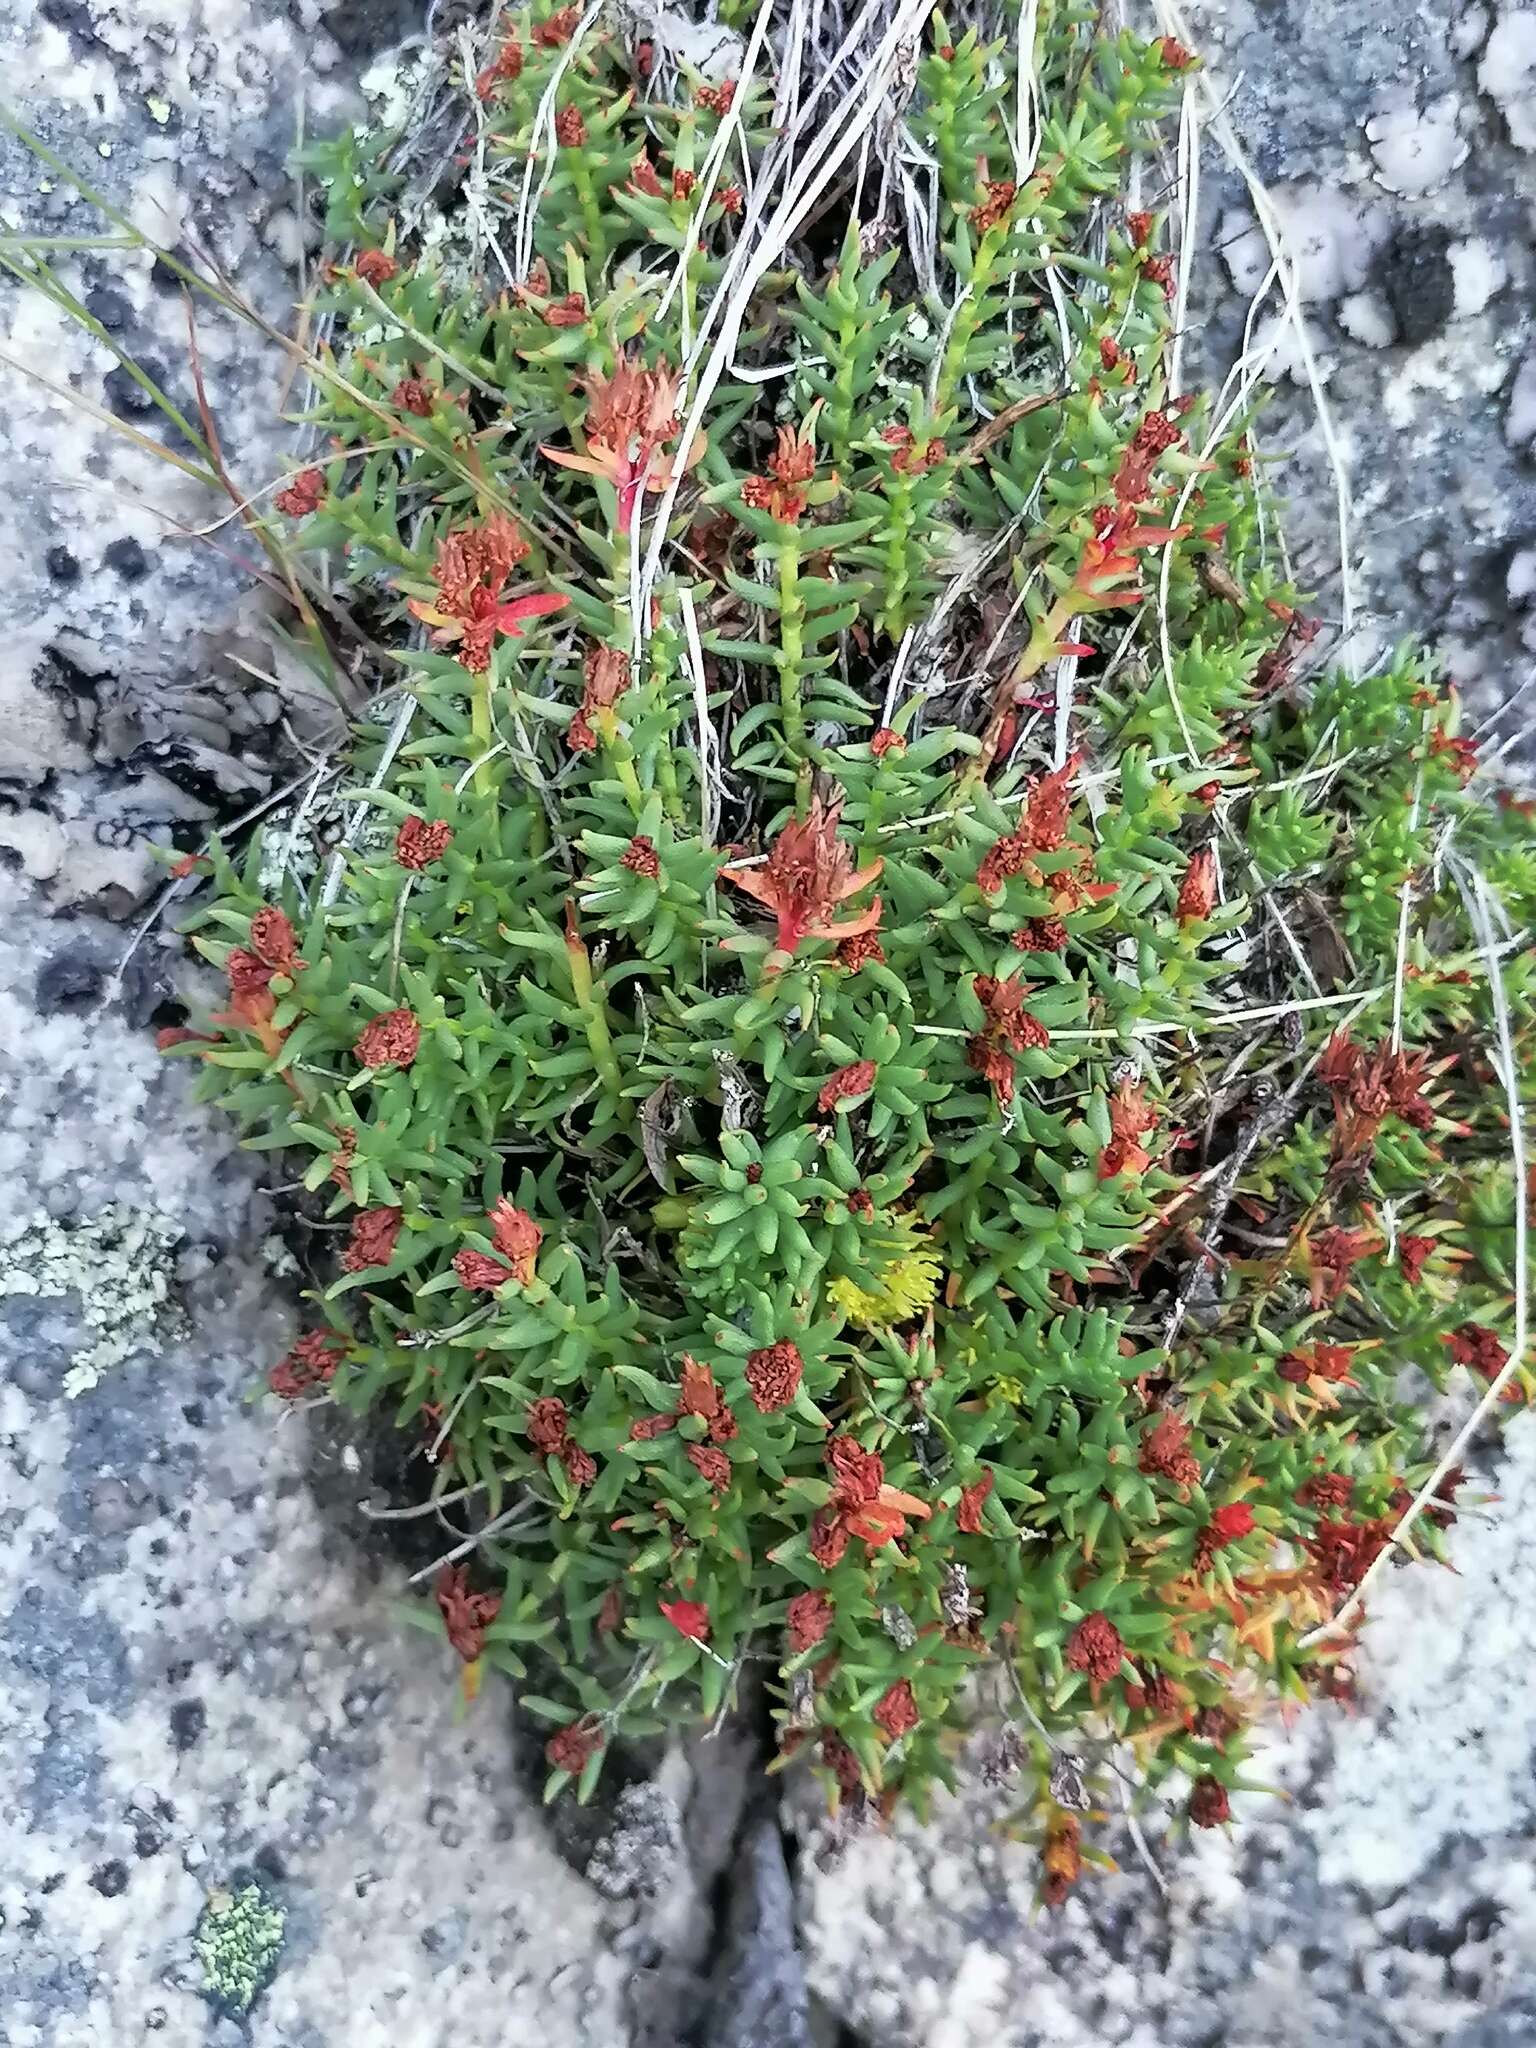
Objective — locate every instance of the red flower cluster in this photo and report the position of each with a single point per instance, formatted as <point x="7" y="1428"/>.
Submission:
<point x="716" y="99"/>
<point x="392" y="1040"/>
<point x="972" y="1505"/>
<point x="1474" y="1345"/>
<point x="1042" y="935"/>
<point x="570" y="129"/>
<point x="1129" y="1120"/>
<point x="1095" y="1647"/>
<point x="846" y="1086"/>
<point x="1208" y="1803"/>
<point x="1041" y="829"/>
<point x="808" y="873"/>
<point x="605" y="678"/>
<point x="782" y="493"/>
<point x="372" y="1242"/>
<point x="467" y="1615"/>
<point x="274" y="941"/>
<point x="630" y="417"/>
<point x="993" y="210"/>
<point x="640" y="857"/>
<point x="896" y="1710"/>
<point x="1334" y="1255"/>
<point x="863" y="1505"/>
<point x="558" y="29"/>
<point x="1165" y="1451"/>
<point x="774" y="1374"/>
<point x="689" y="1617"/>
<point x="808" y="1618"/>
<point x="1411" y="1254"/>
<point x="469" y="610"/>
<point x="1343" y="1552"/>
<point x="1061" y="1858"/>
<point x="1197" y="891"/>
<point x="547" y="1426"/>
<point x="309" y="1363"/>
<point x="479" y="1272"/>
<point x="701" y="1397"/>
<point x="421" y="841"/>
<point x="1009" y="1029"/>
<point x="414" y="395"/>
<point x="573" y="1747"/>
<point x="857" y="952"/>
<point x="507" y="65"/>
<point x="1367" y="1087"/>
<point x="712" y="1466"/>
<point x="909" y="456"/>
<point x="375" y="267"/>
<point x="303" y="495"/>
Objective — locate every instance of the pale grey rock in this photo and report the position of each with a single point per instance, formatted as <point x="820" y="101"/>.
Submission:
<point x="1396" y="147"/>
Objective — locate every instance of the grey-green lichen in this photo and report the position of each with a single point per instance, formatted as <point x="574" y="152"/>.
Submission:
<point x="116" y="1262"/>
<point x="238" y="1941"/>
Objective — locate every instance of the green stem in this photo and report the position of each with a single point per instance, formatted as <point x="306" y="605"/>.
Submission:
<point x="791" y="644"/>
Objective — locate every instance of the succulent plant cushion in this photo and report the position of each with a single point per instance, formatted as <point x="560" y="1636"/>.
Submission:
<point x="914" y="1085"/>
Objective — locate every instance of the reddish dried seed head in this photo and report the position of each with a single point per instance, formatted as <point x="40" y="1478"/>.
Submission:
<point x="479" y="1272"/>
<point x="829" y="1538"/>
<point x="570" y="129"/>
<point x="303" y="495"/>
<point x="414" y="395"/>
<point x="640" y="857"/>
<point x="1197" y="891"/>
<point x="560" y="27"/>
<point x="375" y="267"/>
<point x="774" y="1375"/>
<point x="1208" y="1803"/>
<point x="547" y="1425"/>
<point x="712" y="1466"/>
<point x="972" y="1506"/>
<point x="466" y="1615"/>
<point x="572" y="1748"/>
<point x="421" y="841"/>
<point x="809" y="1617"/>
<point x="372" y="1242"/>
<point x="896" y="1710"/>
<point x="860" y="1474"/>
<point x="846" y="1085"/>
<point x="392" y="1040"/>
<point x="1095" y="1647"/>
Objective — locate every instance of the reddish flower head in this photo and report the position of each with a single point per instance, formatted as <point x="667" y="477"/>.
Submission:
<point x="1208" y="1803"/>
<point x="630" y="418"/>
<point x="699" y="1396"/>
<point x="274" y="942"/>
<point x="466" y="1615"/>
<point x="712" y="1466"/>
<point x="558" y="29"/>
<point x="807" y="875"/>
<point x="421" y="841"/>
<point x="973" y="1501"/>
<point x="993" y="1064"/>
<point x="1042" y="935"/>
<point x="1165" y="1451"/>
<point x="372" y="1242"/>
<point x="640" y="858"/>
<point x="303" y="495"/>
<point x="1095" y="1647"/>
<point x="689" y="1617"/>
<point x="572" y="1748"/>
<point x="846" y="1086"/>
<point x="310" y="1363"/>
<point x="773" y="1375"/>
<point x="829" y="1538"/>
<point x="1229" y="1524"/>
<point x="392" y="1040"/>
<point x="480" y="1273"/>
<point x="994" y="208"/>
<point x="1197" y="892"/>
<point x="886" y="741"/>
<point x="896" y="1710"/>
<point x="517" y="1237"/>
<point x="570" y="129"/>
<point x="414" y="395"/>
<point x="375" y="267"/>
<point x="507" y="65"/>
<point x="858" y="951"/>
<point x="860" y="1474"/>
<point x="547" y="1426"/>
<point x="809" y="1617"/>
<point x="469" y="611"/>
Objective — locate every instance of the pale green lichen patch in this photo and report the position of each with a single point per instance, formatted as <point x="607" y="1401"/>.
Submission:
<point x="238" y="1942"/>
<point x="117" y="1263"/>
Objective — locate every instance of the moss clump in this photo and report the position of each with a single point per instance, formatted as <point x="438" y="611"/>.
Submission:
<point x="239" y="1942"/>
<point x="908" y="1062"/>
